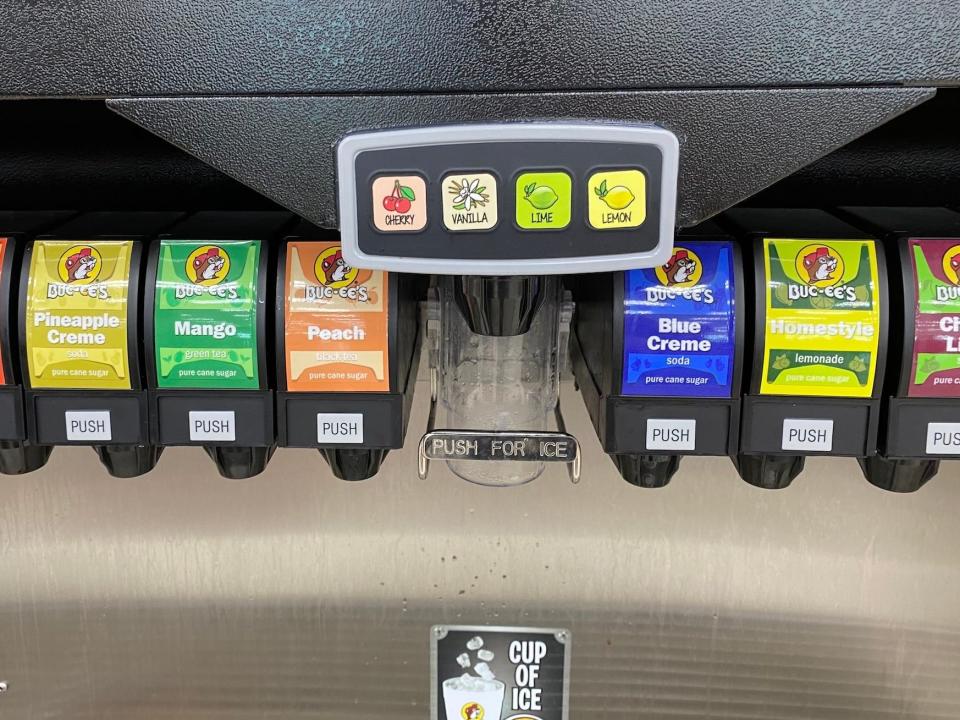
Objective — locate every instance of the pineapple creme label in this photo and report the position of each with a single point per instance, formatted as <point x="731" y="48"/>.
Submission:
<point x="76" y="314"/>
<point x="335" y="322"/>
<point x="936" y="347"/>
<point x="205" y="314"/>
<point x="822" y="328"/>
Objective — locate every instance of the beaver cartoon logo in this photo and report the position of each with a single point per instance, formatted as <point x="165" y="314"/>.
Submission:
<point x="208" y="265"/>
<point x="683" y="269"/>
<point x="333" y="271"/>
<point x="819" y="265"/>
<point x="472" y="711"/>
<point x="951" y="265"/>
<point x="80" y="265"/>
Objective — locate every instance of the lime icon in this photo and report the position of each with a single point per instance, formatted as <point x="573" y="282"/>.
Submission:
<point x="542" y="197"/>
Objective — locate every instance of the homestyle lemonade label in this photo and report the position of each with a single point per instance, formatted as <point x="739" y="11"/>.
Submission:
<point x="678" y="324"/>
<point x="335" y="322"/>
<point x="823" y="318"/>
<point x="205" y="314"/>
<point x="76" y="314"/>
<point x="936" y="345"/>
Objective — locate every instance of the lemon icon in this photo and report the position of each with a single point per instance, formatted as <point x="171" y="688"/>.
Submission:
<point x="618" y="197"/>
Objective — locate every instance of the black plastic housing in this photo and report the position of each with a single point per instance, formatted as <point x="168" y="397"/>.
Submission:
<point x="596" y="350"/>
<point x="385" y="414"/>
<point x="903" y="463"/>
<point x="170" y="408"/>
<point x="17" y="454"/>
<point x="130" y="452"/>
<point x="761" y="460"/>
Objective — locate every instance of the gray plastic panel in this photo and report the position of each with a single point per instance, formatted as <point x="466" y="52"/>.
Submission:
<point x="507" y="149"/>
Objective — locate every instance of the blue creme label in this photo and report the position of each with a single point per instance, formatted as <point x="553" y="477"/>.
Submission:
<point x="678" y="324"/>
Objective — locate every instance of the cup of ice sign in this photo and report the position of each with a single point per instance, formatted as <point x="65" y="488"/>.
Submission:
<point x="400" y="200"/>
<point x="476" y="694"/>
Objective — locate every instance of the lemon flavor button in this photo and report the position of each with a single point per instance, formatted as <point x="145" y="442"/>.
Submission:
<point x="617" y="199"/>
<point x="543" y="200"/>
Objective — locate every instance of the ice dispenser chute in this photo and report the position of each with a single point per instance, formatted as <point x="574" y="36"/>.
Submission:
<point x="657" y="356"/>
<point x="497" y="213"/>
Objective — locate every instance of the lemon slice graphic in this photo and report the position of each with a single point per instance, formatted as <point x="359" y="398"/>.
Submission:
<point x="619" y="197"/>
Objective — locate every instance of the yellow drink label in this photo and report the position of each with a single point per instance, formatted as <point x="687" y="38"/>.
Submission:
<point x="822" y="329"/>
<point x="76" y="314"/>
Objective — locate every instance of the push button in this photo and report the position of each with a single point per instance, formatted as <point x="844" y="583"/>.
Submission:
<point x="399" y="203"/>
<point x="543" y="200"/>
<point x="616" y="199"/>
<point x="469" y="201"/>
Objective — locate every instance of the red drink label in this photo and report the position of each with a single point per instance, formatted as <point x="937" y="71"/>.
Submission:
<point x="936" y="346"/>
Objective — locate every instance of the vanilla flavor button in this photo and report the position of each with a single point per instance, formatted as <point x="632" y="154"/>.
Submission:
<point x="469" y="201"/>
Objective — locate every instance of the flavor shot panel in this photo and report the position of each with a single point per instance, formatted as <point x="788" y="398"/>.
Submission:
<point x="657" y="354"/>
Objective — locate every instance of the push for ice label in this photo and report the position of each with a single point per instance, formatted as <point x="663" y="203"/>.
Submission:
<point x="936" y="345"/>
<point x="678" y="324"/>
<point x="205" y="314"/>
<point x="335" y="322"/>
<point x="76" y="314"/>
<point x="491" y="673"/>
<point x="823" y="318"/>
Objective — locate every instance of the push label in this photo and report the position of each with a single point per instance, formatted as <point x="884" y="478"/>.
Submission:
<point x="678" y="324"/>
<point x="936" y="346"/>
<point x="76" y="315"/>
<point x="205" y="314"/>
<point x="335" y="322"/>
<point x="823" y="318"/>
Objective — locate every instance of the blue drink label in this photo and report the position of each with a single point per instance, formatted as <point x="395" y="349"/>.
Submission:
<point x="678" y="324"/>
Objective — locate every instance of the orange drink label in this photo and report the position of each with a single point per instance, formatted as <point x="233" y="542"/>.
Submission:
<point x="335" y="322"/>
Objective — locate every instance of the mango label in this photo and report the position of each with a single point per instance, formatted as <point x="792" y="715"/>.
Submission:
<point x="76" y="314"/>
<point x="936" y="346"/>
<point x="335" y="322"/>
<point x="678" y="324"/>
<point x="205" y="314"/>
<point x="822" y="329"/>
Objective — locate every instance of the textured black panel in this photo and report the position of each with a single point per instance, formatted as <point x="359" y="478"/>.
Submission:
<point x="732" y="143"/>
<point x="182" y="47"/>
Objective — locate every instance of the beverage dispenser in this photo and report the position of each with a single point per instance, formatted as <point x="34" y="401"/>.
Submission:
<point x="497" y="212"/>
<point x="819" y="287"/>
<point x="208" y="282"/>
<point x="17" y="453"/>
<point x="658" y="353"/>
<point x="348" y="351"/>
<point x="920" y="422"/>
<point x="80" y="335"/>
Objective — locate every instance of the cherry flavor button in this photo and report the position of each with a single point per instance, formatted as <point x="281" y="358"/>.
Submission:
<point x="399" y="203"/>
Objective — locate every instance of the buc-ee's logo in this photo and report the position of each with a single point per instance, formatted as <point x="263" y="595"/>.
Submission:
<point x="208" y="265"/>
<point x="78" y="269"/>
<point x="80" y="265"/>
<point x="336" y="278"/>
<point x="821" y="268"/>
<point x="472" y="711"/>
<point x="680" y="277"/>
<point x="950" y="264"/>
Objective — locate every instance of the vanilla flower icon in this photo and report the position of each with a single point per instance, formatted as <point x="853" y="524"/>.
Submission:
<point x="468" y="193"/>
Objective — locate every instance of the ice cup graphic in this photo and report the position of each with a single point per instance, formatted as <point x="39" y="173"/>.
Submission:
<point x="472" y="698"/>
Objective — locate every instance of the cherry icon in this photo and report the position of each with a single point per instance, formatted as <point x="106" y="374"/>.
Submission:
<point x="400" y="200"/>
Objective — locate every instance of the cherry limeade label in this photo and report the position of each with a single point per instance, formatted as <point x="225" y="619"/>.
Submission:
<point x="678" y="324"/>
<point x="822" y="329"/>
<point x="335" y="322"/>
<point x="205" y="314"/>
<point x="936" y="346"/>
<point x="76" y="314"/>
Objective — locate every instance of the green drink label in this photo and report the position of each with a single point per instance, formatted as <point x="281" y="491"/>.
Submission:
<point x="205" y="314"/>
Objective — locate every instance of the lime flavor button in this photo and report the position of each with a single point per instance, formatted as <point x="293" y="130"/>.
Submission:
<point x="543" y="200"/>
<point x="616" y="199"/>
